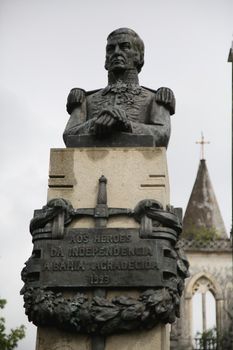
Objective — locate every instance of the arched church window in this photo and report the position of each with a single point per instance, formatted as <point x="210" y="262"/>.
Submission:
<point x="204" y="314"/>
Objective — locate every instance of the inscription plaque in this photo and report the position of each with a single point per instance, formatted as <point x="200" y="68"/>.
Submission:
<point x="101" y="257"/>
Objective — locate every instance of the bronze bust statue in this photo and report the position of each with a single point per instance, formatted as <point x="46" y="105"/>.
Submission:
<point x="123" y="106"/>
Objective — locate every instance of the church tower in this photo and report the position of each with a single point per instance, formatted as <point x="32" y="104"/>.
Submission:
<point x="203" y="218"/>
<point x="209" y="252"/>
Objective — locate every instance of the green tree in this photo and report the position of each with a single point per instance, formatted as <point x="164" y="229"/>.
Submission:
<point x="207" y="340"/>
<point x="212" y="340"/>
<point x="203" y="234"/>
<point x="9" y="341"/>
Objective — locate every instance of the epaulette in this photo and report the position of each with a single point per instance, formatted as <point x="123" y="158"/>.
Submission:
<point x="92" y="92"/>
<point x="151" y="90"/>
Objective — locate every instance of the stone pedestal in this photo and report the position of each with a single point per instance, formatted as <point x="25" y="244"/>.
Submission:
<point x="53" y="339"/>
<point x="133" y="174"/>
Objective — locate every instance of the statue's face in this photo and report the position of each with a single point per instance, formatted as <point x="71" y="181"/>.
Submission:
<point x="121" y="54"/>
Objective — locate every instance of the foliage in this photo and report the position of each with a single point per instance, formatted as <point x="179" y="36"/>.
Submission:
<point x="9" y="341"/>
<point x="211" y="340"/>
<point x="204" y="234"/>
<point x="226" y="340"/>
<point x="207" y="339"/>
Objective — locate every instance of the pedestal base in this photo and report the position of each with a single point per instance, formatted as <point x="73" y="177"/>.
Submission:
<point x="133" y="174"/>
<point x="154" y="339"/>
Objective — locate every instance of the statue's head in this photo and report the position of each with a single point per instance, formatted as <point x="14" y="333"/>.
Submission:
<point x="124" y="50"/>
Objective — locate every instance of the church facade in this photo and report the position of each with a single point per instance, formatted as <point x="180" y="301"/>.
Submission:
<point x="209" y="251"/>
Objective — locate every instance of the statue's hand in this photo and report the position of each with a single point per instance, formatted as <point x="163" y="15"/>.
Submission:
<point x="165" y="97"/>
<point x="75" y="99"/>
<point x="111" y="119"/>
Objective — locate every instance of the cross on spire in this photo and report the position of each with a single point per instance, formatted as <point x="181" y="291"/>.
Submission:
<point x="202" y="143"/>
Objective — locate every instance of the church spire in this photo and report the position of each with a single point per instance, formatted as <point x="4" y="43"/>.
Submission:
<point x="202" y="213"/>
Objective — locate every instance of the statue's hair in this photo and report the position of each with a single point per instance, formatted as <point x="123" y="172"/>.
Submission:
<point x="137" y="41"/>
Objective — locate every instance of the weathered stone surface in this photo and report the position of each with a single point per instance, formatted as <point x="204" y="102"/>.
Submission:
<point x="202" y="211"/>
<point x="212" y="246"/>
<point x="133" y="174"/>
<point x="156" y="338"/>
<point x="54" y="339"/>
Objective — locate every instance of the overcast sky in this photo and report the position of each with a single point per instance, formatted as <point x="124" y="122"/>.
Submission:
<point x="51" y="46"/>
